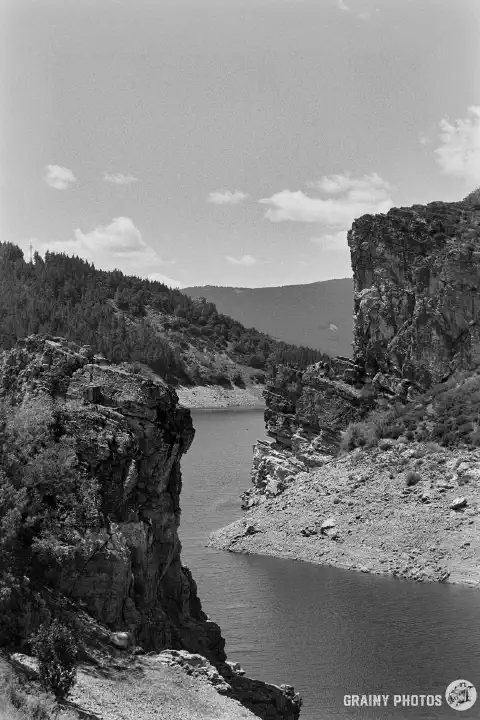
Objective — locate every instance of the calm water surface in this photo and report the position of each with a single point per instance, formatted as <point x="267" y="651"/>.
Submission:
<point x="326" y="631"/>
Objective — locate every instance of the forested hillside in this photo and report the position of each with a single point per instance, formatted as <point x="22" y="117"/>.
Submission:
<point x="129" y="319"/>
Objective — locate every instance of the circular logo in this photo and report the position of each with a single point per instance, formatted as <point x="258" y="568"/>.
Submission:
<point x="461" y="695"/>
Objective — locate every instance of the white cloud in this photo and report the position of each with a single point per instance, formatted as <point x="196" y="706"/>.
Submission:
<point x="165" y="280"/>
<point x="118" y="238"/>
<point x="117" y="245"/>
<point x="120" y="178"/>
<point x="227" y="197"/>
<point x="245" y="260"/>
<point x="362" y="14"/>
<point x="331" y="241"/>
<point x="59" y="177"/>
<point x="353" y="197"/>
<point x="424" y="139"/>
<point x="459" y="151"/>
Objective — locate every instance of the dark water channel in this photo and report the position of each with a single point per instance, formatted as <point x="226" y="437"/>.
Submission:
<point x="328" y="632"/>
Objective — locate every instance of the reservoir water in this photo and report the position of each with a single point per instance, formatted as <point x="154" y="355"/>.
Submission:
<point x="326" y="631"/>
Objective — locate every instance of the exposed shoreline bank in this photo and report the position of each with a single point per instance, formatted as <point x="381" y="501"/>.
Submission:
<point x="357" y="513"/>
<point x="212" y="397"/>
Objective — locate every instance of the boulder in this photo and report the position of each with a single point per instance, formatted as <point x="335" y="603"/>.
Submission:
<point x="120" y="640"/>
<point x="327" y="525"/>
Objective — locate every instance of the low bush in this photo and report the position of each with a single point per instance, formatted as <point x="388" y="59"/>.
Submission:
<point x="412" y="478"/>
<point x="238" y="380"/>
<point x="21" y="700"/>
<point x="220" y="379"/>
<point x="259" y="378"/>
<point x="55" y="647"/>
<point x="445" y="416"/>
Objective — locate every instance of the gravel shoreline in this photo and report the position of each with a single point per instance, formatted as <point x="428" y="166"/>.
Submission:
<point x="357" y="513"/>
<point x="210" y="397"/>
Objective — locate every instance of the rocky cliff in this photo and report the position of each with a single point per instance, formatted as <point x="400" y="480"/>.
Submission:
<point x="416" y="323"/>
<point x="416" y="301"/>
<point x="130" y="433"/>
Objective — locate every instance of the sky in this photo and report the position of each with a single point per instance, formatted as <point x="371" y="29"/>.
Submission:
<point x="230" y="142"/>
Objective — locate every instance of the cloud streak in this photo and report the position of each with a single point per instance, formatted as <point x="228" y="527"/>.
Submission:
<point x="331" y="241"/>
<point x="352" y="197"/>
<point x="227" y="197"/>
<point x="120" y="178"/>
<point x="245" y="260"/>
<point x="59" y="177"/>
<point x="459" y="151"/>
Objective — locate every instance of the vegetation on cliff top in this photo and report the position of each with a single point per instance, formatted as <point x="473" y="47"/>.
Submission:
<point x="128" y="319"/>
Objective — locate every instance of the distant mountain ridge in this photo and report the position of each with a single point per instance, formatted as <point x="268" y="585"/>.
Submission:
<point x="318" y="315"/>
<point x="132" y="320"/>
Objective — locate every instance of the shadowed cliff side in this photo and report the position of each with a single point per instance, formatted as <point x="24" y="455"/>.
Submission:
<point x="129" y="433"/>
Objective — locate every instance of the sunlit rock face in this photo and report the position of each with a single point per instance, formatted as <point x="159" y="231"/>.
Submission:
<point x="416" y="281"/>
<point x="131" y="434"/>
<point x="416" y="321"/>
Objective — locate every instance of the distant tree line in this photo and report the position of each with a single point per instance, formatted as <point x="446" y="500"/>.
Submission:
<point x="68" y="296"/>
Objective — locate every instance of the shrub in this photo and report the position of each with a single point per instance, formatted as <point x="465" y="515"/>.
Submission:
<point x="19" y="702"/>
<point x="256" y="361"/>
<point x="55" y="647"/>
<point x="412" y="478"/>
<point x="383" y="444"/>
<point x="238" y="380"/>
<point x="433" y="447"/>
<point x="259" y="378"/>
<point x="220" y="378"/>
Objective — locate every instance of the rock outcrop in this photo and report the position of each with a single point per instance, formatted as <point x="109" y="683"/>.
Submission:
<point x="305" y="415"/>
<point x="129" y="432"/>
<point x="416" y="292"/>
<point x="416" y="321"/>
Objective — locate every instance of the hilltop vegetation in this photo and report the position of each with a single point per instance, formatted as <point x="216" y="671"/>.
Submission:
<point x="129" y="319"/>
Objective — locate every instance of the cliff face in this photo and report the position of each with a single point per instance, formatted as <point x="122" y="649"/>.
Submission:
<point x="131" y="434"/>
<point x="416" y="321"/>
<point x="305" y="414"/>
<point x="416" y="279"/>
